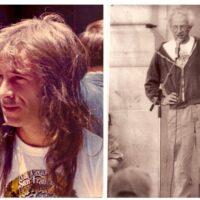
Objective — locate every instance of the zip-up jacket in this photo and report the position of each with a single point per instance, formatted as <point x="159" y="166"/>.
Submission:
<point x="189" y="75"/>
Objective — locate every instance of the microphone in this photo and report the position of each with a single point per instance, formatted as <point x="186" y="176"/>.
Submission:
<point x="177" y="48"/>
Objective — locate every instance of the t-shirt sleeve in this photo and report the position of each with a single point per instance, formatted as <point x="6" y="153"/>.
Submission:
<point x="95" y="153"/>
<point x="89" y="174"/>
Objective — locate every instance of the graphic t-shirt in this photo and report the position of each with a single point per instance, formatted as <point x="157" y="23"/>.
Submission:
<point x="29" y="178"/>
<point x="185" y="51"/>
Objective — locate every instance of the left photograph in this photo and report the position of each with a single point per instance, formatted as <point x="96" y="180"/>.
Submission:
<point x="51" y="97"/>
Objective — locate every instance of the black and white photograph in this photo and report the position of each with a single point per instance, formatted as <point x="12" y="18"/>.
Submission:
<point x="154" y="111"/>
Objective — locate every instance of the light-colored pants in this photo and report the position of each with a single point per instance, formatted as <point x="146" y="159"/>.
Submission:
<point x="183" y="127"/>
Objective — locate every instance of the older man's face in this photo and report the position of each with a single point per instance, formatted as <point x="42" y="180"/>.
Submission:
<point x="180" y="27"/>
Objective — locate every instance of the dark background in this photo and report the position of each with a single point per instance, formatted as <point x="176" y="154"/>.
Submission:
<point x="77" y="16"/>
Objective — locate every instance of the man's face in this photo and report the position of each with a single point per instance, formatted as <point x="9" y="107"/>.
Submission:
<point x="115" y="156"/>
<point x="180" y="27"/>
<point x="20" y="95"/>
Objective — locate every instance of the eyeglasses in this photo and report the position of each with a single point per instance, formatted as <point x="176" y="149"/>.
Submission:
<point x="181" y="27"/>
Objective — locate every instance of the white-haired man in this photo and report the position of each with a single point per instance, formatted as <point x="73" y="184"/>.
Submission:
<point x="175" y="68"/>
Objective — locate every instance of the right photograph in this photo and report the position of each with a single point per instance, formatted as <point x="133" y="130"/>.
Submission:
<point x="154" y="101"/>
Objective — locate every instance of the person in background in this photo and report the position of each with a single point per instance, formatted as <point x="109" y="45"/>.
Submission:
<point x="46" y="149"/>
<point x="130" y="182"/>
<point x="115" y="156"/>
<point x="92" y="83"/>
<point x="175" y="69"/>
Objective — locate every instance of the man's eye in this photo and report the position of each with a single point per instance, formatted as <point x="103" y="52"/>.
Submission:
<point x="1" y="77"/>
<point x="18" y="79"/>
<point x="175" y="27"/>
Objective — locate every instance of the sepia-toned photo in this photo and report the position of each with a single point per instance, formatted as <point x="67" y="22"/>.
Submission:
<point x="51" y="101"/>
<point x="154" y="101"/>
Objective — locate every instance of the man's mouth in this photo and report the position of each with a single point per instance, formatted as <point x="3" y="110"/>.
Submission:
<point x="180" y="36"/>
<point x="10" y="108"/>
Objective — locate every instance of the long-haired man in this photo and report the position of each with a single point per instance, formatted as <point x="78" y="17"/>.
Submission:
<point x="45" y="148"/>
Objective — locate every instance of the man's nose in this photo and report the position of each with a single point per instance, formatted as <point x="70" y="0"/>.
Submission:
<point x="6" y="92"/>
<point x="179" y="29"/>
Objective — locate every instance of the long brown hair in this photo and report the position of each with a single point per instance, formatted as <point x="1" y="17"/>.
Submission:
<point x="54" y="52"/>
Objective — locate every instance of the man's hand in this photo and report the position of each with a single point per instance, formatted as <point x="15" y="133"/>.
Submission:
<point x="170" y="99"/>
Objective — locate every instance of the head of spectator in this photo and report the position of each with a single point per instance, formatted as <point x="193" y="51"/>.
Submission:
<point x="130" y="182"/>
<point x="92" y="38"/>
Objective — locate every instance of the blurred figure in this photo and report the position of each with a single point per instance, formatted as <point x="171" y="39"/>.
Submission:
<point x="130" y="182"/>
<point x="124" y="182"/>
<point x="92" y="83"/>
<point x="115" y="156"/>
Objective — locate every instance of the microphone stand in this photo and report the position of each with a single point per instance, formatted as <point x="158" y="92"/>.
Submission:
<point x="158" y="98"/>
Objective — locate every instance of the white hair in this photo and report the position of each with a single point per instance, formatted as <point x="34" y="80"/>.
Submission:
<point x="185" y="12"/>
